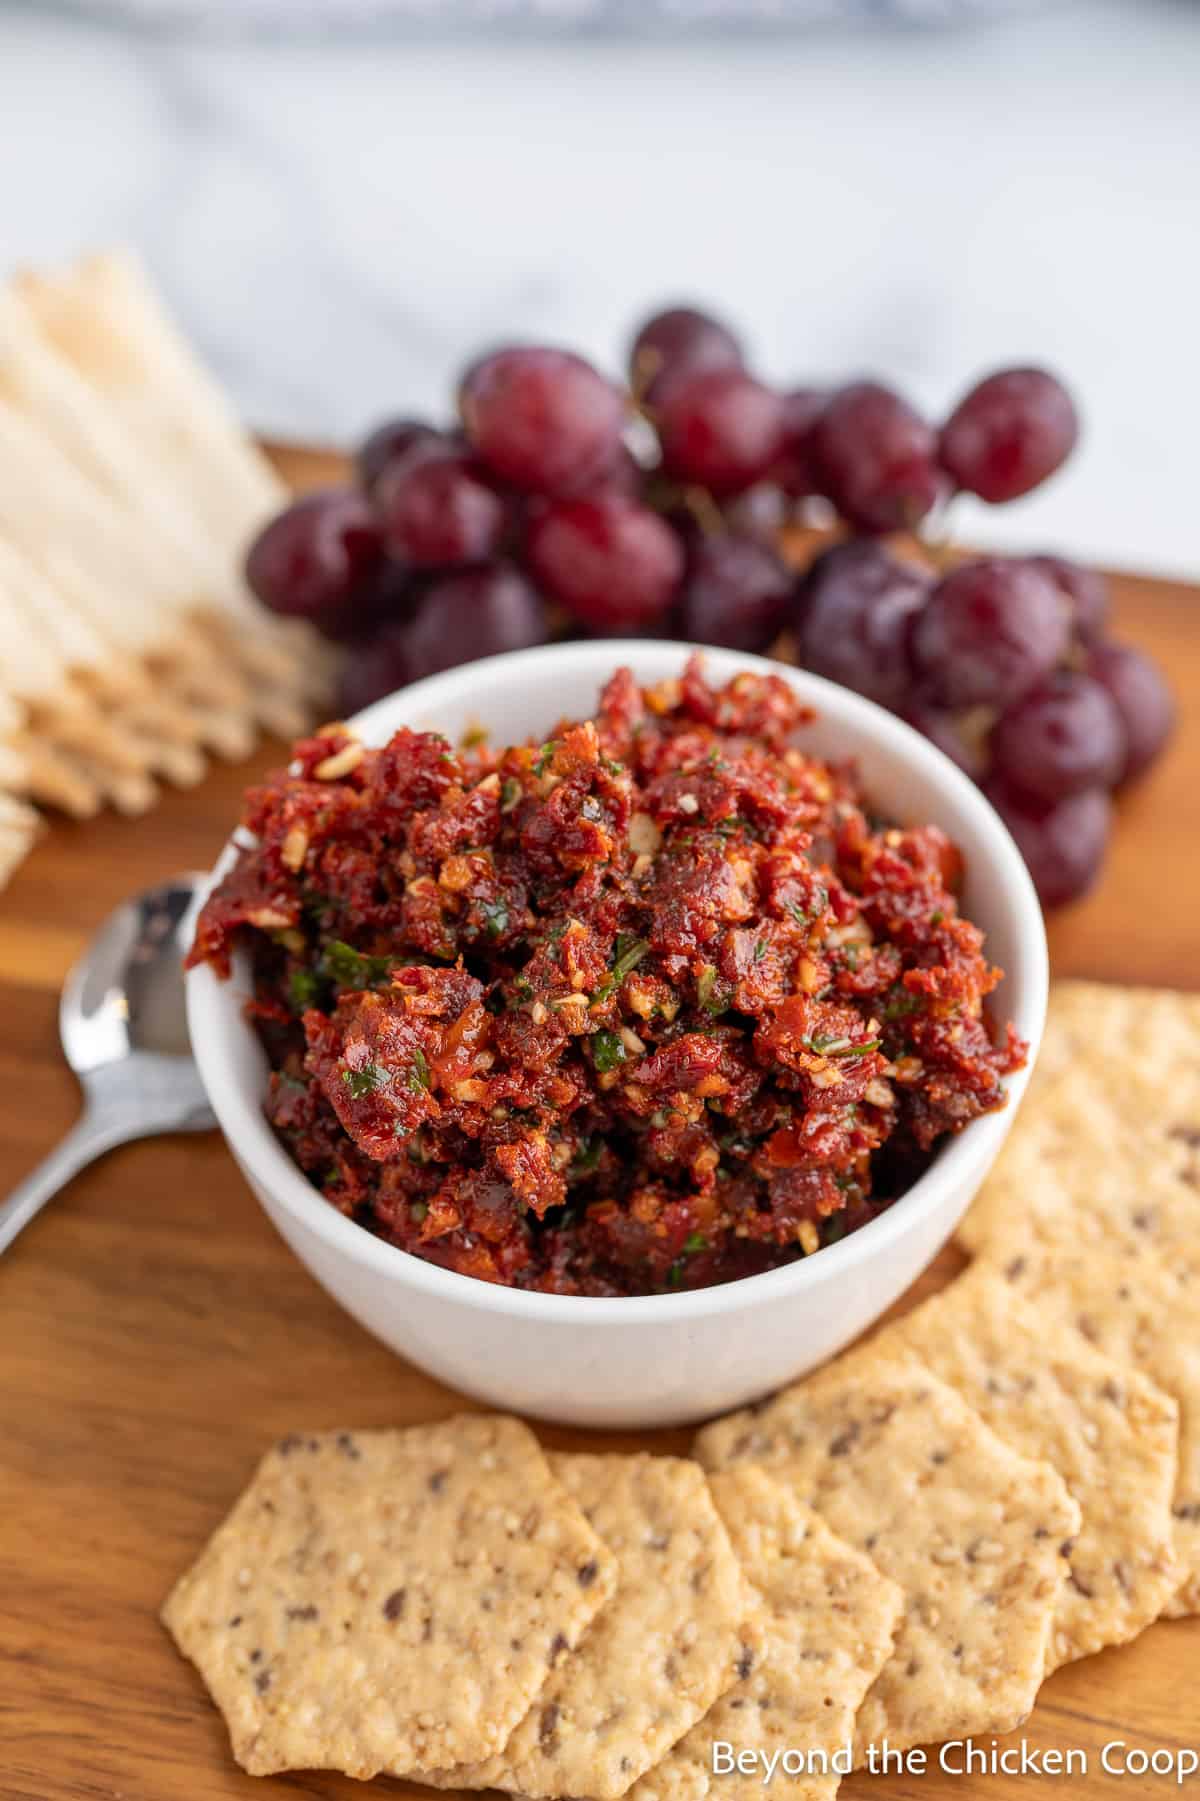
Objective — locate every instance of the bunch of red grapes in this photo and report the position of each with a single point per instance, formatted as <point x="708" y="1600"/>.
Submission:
<point x="563" y="504"/>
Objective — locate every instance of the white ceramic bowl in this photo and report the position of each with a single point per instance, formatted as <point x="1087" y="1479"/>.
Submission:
<point x="655" y="1359"/>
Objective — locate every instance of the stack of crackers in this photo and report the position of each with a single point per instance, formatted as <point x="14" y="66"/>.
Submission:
<point x="130" y="649"/>
<point x="898" y="1549"/>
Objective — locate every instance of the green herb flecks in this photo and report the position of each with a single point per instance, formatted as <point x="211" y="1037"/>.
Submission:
<point x="831" y="1045"/>
<point x="362" y="1082"/>
<point x="495" y="917"/>
<point x="695" y="1241"/>
<point x="354" y="969"/>
<point x="899" y="1004"/>
<point x="545" y="756"/>
<point x="708" y="991"/>
<point x="510" y="794"/>
<point x="628" y="953"/>
<point x="304" y="986"/>
<point x="607" y="1051"/>
<point x="418" y="1075"/>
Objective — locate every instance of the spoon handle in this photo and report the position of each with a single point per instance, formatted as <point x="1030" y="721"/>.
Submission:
<point x="88" y="1139"/>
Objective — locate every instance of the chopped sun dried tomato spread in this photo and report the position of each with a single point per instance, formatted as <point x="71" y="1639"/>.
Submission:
<point x="658" y="1003"/>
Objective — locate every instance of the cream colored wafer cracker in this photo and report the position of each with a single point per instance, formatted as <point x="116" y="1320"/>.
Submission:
<point x="1102" y="1149"/>
<point x="829" y="1620"/>
<point x="681" y="1629"/>
<point x="975" y="1535"/>
<point x="386" y="1601"/>
<point x="1142" y="1311"/>
<point x="1108" y="1431"/>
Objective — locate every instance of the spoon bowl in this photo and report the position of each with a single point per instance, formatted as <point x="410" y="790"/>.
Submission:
<point x="123" y="1025"/>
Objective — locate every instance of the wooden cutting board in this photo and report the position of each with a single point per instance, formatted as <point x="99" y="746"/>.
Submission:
<point x="155" y="1334"/>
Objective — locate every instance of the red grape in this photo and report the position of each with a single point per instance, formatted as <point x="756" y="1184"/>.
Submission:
<point x="720" y="429"/>
<point x="796" y="470"/>
<point x="761" y="512"/>
<point x="1009" y="433"/>
<point x="855" y="613"/>
<point x="676" y="339"/>
<point x="1063" y="842"/>
<point x="612" y="563"/>
<point x="1087" y="591"/>
<point x="989" y="632"/>
<point x="474" y="613"/>
<point x="543" y="420"/>
<point x="317" y="559"/>
<point x="1064" y="736"/>
<point x="1141" y="697"/>
<point x="874" y="458"/>
<point x="736" y="594"/>
<point x="621" y="473"/>
<point x="435" y="510"/>
<point x="388" y="443"/>
<point x="946" y="730"/>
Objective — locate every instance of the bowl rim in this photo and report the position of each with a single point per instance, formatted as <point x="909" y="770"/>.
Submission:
<point x="214" y="1011"/>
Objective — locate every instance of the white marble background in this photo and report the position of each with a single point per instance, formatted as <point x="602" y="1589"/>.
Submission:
<point x="342" y="223"/>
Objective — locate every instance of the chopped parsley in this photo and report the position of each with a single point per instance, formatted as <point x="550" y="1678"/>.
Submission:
<point x="362" y="1082"/>
<point x="607" y="1051"/>
<point x="304" y="985"/>
<point x="628" y="953"/>
<point x="495" y="917"/>
<point x="354" y="969"/>
<point x="830" y="1045"/>
<point x="708" y="991"/>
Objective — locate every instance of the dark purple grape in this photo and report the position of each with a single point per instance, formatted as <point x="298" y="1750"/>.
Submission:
<point x="389" y="595"/>
<point x="543" y="420"/>
<point x="950" y="732"/>
<point x="736" y="594"/>
<point x="796" y="469"/>
<point x="875" y="458"/>
<point x="761" y="512"/>
<point x="435" y="510"/>
<point x="989" y="632"/>
<point x="612" y="563"/>
<point x="855" y="612"/>
<point x="457" y="618"/>
<point x="1087" y="591"/>
<point x="1064" y="736"/>
<point x="677" y="339"/>
<point x="317" y="559"/>
<point x="1008" y="434"/>
<point x="719" y="429"/>
<point x="619" y="474"/>
<point x="1063" y="842"/>
<point x="388" y="443"/>
<point x="1141" y="696"/>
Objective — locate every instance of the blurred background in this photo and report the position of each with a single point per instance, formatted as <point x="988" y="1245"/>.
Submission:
<point x="344" y="199"/>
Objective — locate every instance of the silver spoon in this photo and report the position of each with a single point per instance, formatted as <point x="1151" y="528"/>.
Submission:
<point x="124" y="1030"/>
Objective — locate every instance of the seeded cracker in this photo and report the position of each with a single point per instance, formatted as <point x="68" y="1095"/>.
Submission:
<point x="830" y="1618"/>
<point x="1107" y="1145"/>
<point x="388" y="1601"/>
<point x="901" y="1467"/>
<point x="681" y="1629"/>
<point x="1108" y="1431"/>
<point x="1143" y="1312"/>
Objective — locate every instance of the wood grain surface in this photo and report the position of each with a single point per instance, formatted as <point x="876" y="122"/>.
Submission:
<point x="155" y="1334"/>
